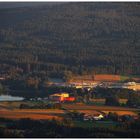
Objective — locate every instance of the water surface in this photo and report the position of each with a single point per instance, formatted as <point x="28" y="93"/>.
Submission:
<point x="10" y="98"/>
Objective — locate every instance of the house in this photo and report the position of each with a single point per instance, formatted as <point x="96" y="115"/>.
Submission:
<point x="88" y="117"/>
<point x="98" y="117"/>
<point x="2" y="78"/>
<point x="93" y="117"/>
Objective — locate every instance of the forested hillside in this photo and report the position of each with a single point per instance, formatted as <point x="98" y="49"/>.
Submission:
<point x="72" y="37"/>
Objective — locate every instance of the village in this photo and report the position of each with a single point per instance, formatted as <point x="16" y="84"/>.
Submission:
<point x="80" y="110"/>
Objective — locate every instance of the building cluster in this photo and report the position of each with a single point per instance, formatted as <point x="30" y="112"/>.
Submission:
<point x="129" y="85"/>
<point x="90" y="85"/>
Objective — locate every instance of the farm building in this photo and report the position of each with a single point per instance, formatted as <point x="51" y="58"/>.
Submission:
<point x="61" y="97"/>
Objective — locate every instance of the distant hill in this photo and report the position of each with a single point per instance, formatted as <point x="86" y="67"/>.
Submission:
<point x="76" y="37"/>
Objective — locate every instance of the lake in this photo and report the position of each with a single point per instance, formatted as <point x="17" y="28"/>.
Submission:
<point x="10" y="98"/>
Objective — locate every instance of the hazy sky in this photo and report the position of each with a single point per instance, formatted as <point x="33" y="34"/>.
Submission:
<point x="23" y="4"/>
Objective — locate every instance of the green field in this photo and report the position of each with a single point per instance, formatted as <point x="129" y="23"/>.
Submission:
<point x="16" y="104"/>
<point x="123" y="77"/>
<point x="90" y="124"/>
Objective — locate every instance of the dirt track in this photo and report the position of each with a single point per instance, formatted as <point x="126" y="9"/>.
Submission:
<point x="101" y="109"/>
<point x="93" y="107"/>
